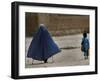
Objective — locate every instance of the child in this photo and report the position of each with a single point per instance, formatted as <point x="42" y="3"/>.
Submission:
<point x="85" y="45"/>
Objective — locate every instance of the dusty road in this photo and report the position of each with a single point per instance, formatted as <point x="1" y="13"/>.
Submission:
<point x="70" y="54"/>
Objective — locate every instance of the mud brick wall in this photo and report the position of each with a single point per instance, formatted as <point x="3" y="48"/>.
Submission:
<point x="57" y="24"/>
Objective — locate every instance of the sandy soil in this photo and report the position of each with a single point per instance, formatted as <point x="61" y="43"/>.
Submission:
<point x="70" y="54"/>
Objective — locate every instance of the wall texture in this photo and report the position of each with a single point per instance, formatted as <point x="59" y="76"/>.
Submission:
<point x="57" y="24"/>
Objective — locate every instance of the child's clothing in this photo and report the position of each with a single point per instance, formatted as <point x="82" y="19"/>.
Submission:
<point x="85" y="46"/>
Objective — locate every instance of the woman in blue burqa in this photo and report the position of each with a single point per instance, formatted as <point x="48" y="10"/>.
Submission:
<point x="42" y="45"/>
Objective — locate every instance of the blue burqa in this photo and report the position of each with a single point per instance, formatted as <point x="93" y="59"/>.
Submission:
<point x="42" y="45"/>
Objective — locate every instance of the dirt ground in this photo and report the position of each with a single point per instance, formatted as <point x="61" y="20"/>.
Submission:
<point x="70" y="54"/>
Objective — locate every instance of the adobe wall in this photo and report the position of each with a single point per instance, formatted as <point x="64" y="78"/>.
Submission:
<point x="58" y="24"/>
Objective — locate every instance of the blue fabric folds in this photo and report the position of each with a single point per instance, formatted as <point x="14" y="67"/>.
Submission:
<point x="85" y="44"/>
<point x="42" y="45"/>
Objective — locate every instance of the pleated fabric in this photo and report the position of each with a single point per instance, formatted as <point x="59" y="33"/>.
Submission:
<point x="42" y="45"/>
